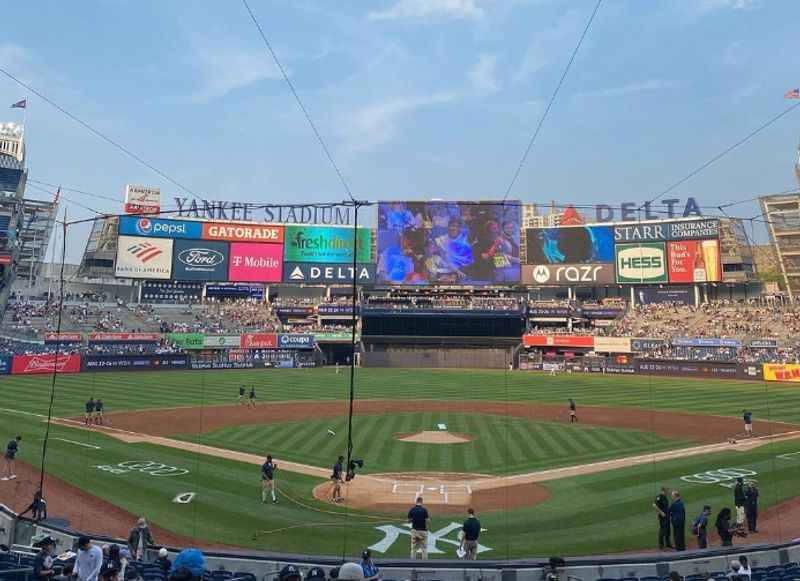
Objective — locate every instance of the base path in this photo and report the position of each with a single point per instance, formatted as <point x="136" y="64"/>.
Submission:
<point x="385" y="492"/>
<point x="667" y="424"/>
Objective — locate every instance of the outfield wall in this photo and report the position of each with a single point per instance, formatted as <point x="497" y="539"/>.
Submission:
<point x="432" y="356"/>
<point x="265" y="565"/>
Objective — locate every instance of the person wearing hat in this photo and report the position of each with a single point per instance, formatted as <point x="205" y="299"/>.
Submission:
<point x="11" y="453"/>
<point x="140" y="539"/>
<point x="420" y="521"/>
<point x="163" y="560"/>
<point x="751" y="506"/>
<point x="290" y="573"/>
<point x="700" y="527"/>
<point x="316" y="574"/>
<point x="351" y="572"/>
<point x="470" y="531"/>
<point x="88" y="561"/>
<point x="43" y="562"/>
<point x="369" y="568"/>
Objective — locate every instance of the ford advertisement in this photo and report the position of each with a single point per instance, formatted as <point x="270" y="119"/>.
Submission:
<point x="200" y="260"/>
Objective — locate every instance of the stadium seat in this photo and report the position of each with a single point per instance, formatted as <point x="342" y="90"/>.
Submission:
<point x="649" y="578"/>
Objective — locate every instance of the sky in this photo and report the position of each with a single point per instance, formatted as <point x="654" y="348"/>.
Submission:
<point x="414" y="98"/>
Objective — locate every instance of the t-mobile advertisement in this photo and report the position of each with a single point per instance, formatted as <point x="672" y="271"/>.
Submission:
<point x="253" y="262"/>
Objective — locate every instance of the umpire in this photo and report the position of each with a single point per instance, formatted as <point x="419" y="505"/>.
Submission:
<point x="661" y="506"/>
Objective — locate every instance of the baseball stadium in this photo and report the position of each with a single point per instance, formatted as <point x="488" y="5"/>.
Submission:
<point x="461" y="387"/>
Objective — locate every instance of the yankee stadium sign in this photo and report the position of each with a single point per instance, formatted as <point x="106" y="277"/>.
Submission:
<point x="249" y="212"/>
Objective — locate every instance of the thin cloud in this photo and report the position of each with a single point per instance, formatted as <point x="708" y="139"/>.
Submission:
<point x="425" y="9"/>
<point x="375" y="124"/>
<point x="537" y="54"/>
<point x="227" y="69"/>
<point x="728" y="4"/>
<point x="631" y="88"/>
<point x="483" y="75"/>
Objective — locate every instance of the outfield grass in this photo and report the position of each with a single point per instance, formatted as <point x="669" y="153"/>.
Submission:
<point x="603" y="512"/>
<point x="502" y="445"/>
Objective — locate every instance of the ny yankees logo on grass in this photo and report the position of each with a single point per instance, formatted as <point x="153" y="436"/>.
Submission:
<point x="392" y="533"/>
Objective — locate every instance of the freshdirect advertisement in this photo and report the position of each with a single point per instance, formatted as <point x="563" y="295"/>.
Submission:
<point x="187" y="340"/>
<point x="309" y="273"/>
<point x="782" y="372"/>
<point x="567" y="274"/>
<point x="139" y="257"/>
<point x="251" y="262"/>
<point x="326" y="244"/>
<point x="243" y="232"/>
<point x="200" y="260"/>
<point x="694" y="261"/>
<point x="641" y="263"/>
<point x="159" y="227"/>
<point x="41" y="364"/>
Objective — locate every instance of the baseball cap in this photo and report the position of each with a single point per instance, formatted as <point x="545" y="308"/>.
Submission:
<point x="83" y="540"/>
<point x="162" y="552"/>
<point x="42" y="539"/>
<point x="315" y="573"/>
<point x="289" y="572"/>
<point x="351" y="572"/>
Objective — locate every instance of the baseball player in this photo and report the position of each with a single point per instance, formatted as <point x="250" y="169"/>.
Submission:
<point x="747" y="417"/>
<point x="241" y="395"/>
<point x="336" y="478"/>
<point x="98" y="412"/>
<point x="573" y="411"/>
<point x="89" y="411"/>
<point x="251" y="400"/>
<point x="268" y="479"/>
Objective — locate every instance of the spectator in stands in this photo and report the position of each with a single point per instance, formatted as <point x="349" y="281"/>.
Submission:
<point x="89" y="560"/>
<point x="43" y="562"/>
<point x="370" y="569"/>
<point x="11" y="453"/>
<point x="677" y="518"/>
<point x="316" y="574"/>
<point x="163" y="560"/>
<point x="113" y="566"/>
<point x="745" y="570"/>
<point x="351" y="572"/>
<point x="188" y="564"/>
<point x="735" y="573"/>
<point x="723" y="526"/>
<point x="470" y="531"/>
<point x="140" y="539"/>
<point x="420" y="521"/>
<point x="290" y="573"/>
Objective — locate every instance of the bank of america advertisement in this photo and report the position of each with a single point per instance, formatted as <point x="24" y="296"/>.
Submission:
<point x="140" y="257"/>
<point x="326" y="244"/>
<point x="641" y="263"/>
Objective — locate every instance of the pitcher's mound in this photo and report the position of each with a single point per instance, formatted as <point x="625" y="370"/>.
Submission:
<point x="434" y="437"/>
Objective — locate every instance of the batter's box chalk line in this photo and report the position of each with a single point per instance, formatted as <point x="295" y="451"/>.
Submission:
<point x="444" y="490"/>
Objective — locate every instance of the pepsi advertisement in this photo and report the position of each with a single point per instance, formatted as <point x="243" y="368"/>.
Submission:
<point x="200" y="260"/>
<point x="458" y="243"/>
<point x="571" y="245"/>
<point x="159" y="227"/>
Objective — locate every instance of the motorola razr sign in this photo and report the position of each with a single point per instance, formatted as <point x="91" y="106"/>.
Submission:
<point x="200" y="260"/>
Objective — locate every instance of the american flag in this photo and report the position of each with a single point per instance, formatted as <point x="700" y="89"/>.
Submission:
<point x="793" y="94"/>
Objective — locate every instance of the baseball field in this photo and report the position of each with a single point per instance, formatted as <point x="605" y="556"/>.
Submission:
<point x="178" y="448"/>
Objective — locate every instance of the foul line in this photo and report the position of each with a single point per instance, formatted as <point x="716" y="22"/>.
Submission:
<point x="92" y="446"/>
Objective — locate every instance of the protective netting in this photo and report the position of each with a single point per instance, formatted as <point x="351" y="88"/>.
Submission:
<point x="417" y="378"/>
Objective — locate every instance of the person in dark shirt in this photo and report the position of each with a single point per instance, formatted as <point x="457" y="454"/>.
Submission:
<point x="723" y="526"/>
<point x="336" y="478"/>
<point x="43" y="562"/>
<point x="471" y="530"/>
<point x="241" y="394"/>
<point x="37" y="508"/>
<point x="98" y="412"/>
<point x="747" y="417"/>
<point x="163" y="560"/>
<point x="700" y="527"/>
<point x="573" y="411"/>
<point x="661" y="506"/>
<point x="89" y="411"/>
<point x="677" y="518"/>
<point x="268" y="479"/>
<point x="251" y="400"/>
<point x="12" y="448"/>
<point x="420" y="520"/>
<point x="751" y="506"/>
